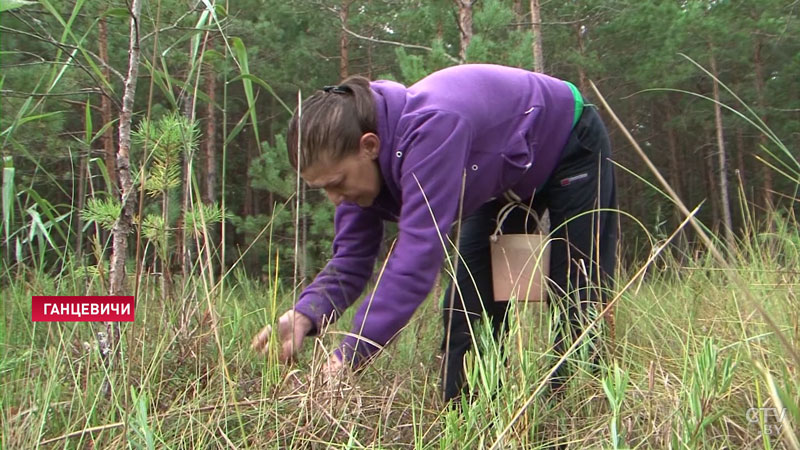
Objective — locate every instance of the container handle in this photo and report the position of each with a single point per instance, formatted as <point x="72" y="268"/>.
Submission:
<point x="502" y="215"/>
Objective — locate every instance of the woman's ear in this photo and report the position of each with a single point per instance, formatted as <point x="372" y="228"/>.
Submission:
<point x="370" y="145"/>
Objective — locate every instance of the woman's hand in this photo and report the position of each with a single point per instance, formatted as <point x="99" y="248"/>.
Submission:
<point x="292" y="329"/>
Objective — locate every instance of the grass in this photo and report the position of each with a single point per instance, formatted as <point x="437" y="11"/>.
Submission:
<point x="689" y="360"/>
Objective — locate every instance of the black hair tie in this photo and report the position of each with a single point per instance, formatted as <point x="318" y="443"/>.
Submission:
<point x="339" y="89"/>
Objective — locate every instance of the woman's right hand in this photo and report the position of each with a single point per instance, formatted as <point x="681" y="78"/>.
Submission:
<point x="292" y="328"/>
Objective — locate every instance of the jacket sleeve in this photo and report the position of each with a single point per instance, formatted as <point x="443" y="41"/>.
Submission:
<point x="434" y="147"/>
<point x="358" y="234"/>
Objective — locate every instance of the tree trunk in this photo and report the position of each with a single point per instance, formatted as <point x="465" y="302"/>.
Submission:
<point x="344" y="40"/>
<point x="674" y="165"/>
<point x="211" y="134"/>
<point x="740" y="152"/>
<point x="709" y="180"/>
<point x="583" y="83"/>
<point x="536" y="27"/>
<point x="519" y="14"/>
<point x="370" y="48"/>
<point x="105" y="107"/>
<point x="766" y="171"/>
<point x="725" y="203"/>
<point x="464" y="26"/>
<point x="122" y="227"/>
<point x="741" y="180"/>
<point x="189" y="111"/>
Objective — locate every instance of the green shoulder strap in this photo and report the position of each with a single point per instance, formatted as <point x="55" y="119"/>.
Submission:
<point x="578" y="102"/>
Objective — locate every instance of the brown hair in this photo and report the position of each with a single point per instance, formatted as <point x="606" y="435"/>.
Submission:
<point x="332" y="123"/>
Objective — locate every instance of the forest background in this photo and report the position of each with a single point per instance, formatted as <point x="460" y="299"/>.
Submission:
<point x="193" y="103"/>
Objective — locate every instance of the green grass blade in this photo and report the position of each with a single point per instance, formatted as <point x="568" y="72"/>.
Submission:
<point x="780" y="161"/>
<point x="102" y="130"/>
<point x="27" y="119"/>
<point x="8" y="5"/>
<point x="119" y="13"/>
<point x="38" y="228"/>
<point x="23" y="150"/>
<point x="101" y="164"/>
<point x="87" y="121"/>
<point x="241" y="56"/>
<point x="7" y="132"/>
<point x="266" y="86"/>
<point x="8" y="195"/>
<point x="195" y="55"/>
<point x="757" y="123"/>
<point x="763" y="125"/>
<point x="161" y="79"/>
<point x="184" y="85"/>
<point x="237" y="129"/>
<point x="57" y="73"/>
<point x="47" y="208"/>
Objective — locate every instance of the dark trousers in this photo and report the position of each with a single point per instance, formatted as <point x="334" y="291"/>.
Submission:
<point x="582" y="254"/>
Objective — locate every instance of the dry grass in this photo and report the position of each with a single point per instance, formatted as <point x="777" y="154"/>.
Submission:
<point x="677" y="331"/>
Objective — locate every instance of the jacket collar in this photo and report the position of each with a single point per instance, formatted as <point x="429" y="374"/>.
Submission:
<point x="390" y="99"/>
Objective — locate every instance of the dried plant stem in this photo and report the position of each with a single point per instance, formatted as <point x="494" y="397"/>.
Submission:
<point x="701" y="232"/>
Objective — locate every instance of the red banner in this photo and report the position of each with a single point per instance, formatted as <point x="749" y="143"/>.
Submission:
<point x="82" y="308"/>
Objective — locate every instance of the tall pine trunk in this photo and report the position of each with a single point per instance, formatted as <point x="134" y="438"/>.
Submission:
<point x="743" y="173"/>
<point x="740" y="157"/>
<point x="211" y="132"/>
<point x="758" y="63"/>
<point x="710" y="181"/>
<point x="741" y="178"/>
<point x="370" y="46"/>
<point x="464" y="26"/>
<point x="725" y="203"/>
<point x="344" y="40"/>
<point x="674" y="159"/>
<point x="583" y="82"/>
<point x="122" y="227"/>
<point x="519" y="14"/>
<point x="186" y="245"/>
<point x="536" y="28"/>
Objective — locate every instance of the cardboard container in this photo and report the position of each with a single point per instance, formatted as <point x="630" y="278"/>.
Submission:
<point x="520" y="264"/>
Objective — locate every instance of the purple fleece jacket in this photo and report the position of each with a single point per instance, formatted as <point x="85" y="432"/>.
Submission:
<point x="506" y="127"/>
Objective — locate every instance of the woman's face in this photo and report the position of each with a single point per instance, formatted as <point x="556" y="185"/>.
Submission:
<point x="356" y="178"/>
